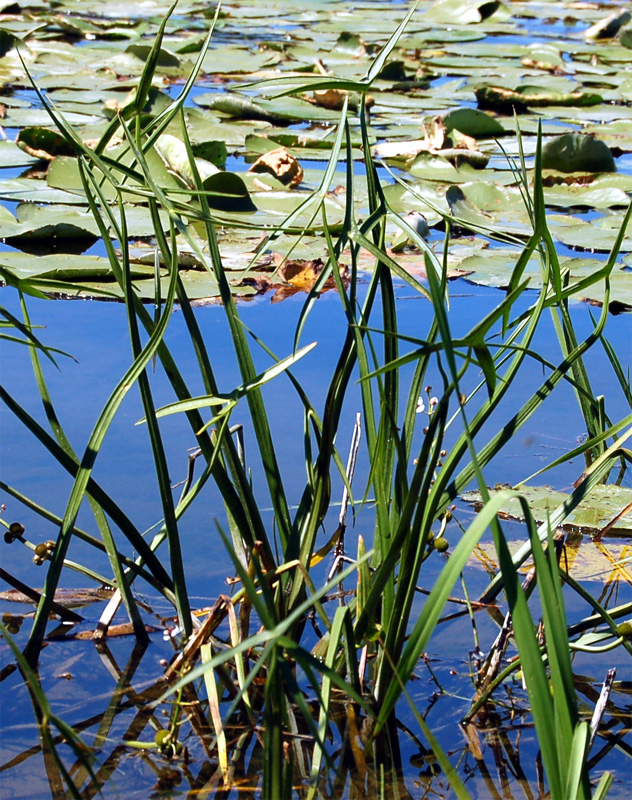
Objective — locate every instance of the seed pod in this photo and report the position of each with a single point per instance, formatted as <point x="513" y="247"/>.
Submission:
<point x="50" y="545"/>
<point x="161" y="738"/>
<point x="41" y="550"/>
<point x="441" y="544"/>
<point x="625" y="628"/>
<point x="16" y="528"/>
<point x="38" y="560"/>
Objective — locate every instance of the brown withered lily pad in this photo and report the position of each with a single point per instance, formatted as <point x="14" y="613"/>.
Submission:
<point x="114" y="631"/>
<point x="293" y="276"/>
<point x="69" y="598"/>
<point x="282" y="165"/>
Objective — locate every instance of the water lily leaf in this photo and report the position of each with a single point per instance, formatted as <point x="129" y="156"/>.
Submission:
<point x="7" y="41"/>
<point x="497" y="209"/>
<point x="600" y="507"/>
<point x="586" y="195"/>
<point x="65" y="267"/>
<point x="583" y="559"/>
<point x="393" y="71"/>
<point x="156" y="102"/>
<point x="55" y="224"/>
<point x="625" y="37"/>
<point x="228" y="192"/>
<point x="12" y="156"/>
<point x="235" y="105"/>
<point x="595" y="235"/>
<point x="576" y="152"/>
<point x="609" y="27"/>
<point x="464" y="209"/>
<point x="280" y="111"/>
<point x="473" y="123"/>
<point x="434" y="167"/>
<point x="22" y="117"/>
<point x="165" y="57"/>
<point x="43" y="143"/>
<point x="292" y="276"/>
<point x="402" y="201"/>
<point x="461" y="12"/>
<point x="545" y="57"/>
<point x="351" y="43"/>
<point x="18" y="189"/>
<point x="213" y="151"/>
<point x="532" y="97"/>
<point x="176" y="156"/>
<point x="203" y="127"/>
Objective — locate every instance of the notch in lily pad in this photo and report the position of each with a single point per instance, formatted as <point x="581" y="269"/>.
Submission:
<point x="578" y="152"/>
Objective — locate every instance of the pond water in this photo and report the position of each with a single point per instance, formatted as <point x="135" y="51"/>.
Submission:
<point x="106" y="692"/>
<point x="79" y="678"/>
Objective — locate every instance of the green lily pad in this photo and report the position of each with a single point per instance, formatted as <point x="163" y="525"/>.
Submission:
<point x="7" y="41"/>
<point x="576" y="152"/>
<point x="473" y="122"/>
<point x="43" y="143"/>
<point x="165" y="57"/>
<point x="602" y="505"/>
<point x="460" y="12"/>
<point x="532" y="97"/>
<point x="609" y="27"/>
<point x="12" y="156"/>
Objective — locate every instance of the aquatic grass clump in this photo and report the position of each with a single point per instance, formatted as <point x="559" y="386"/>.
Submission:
<point x="287" y="634"/>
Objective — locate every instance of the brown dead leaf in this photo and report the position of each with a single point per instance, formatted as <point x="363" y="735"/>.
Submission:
<point x="124" y="629"/>
<point x="333" y="99"/>
<point x="302" y="274"/>
<point x="434" y="133"/>
<point x="292" y="276"/>
<point x="280" y="164"/>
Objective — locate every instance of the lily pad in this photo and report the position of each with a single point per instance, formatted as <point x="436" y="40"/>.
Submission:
<point x="532" y="97"/>
<point x="43" y="143"/>
<point x="602" y="505"/>
<point x="583" y="559"/>
<point x="576" y="152"/>
<point x="473" y="123"/>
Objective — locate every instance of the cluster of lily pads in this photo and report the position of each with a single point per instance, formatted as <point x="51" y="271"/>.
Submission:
<point x="455" y="106"/>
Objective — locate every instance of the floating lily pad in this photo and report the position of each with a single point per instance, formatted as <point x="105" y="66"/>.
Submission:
<point x="576" y="152"/>
<point x="594" y="512"/>
<point x="449" y="50"/>
<point x="582" y="559"/>
<point x="43" y="143"/>
<point x="473" y="122"/>
<point x="532" y="97"/>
